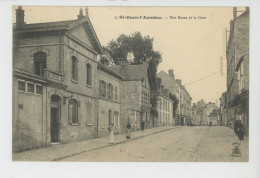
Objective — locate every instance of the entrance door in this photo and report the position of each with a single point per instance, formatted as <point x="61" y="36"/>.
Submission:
<point x="55" y="118"/>
<point x="54" y="125"/>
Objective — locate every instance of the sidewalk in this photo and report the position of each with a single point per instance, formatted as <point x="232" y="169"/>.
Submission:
<point x="58" y="152"/>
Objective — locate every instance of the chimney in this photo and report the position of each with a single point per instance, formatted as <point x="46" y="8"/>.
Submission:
<point x="19" y="18"/>
<point x="80" y="16"/>
<point x="86" y="10"/>
<point x="247" y="8"/>
<point x="170" y="72"/>
<point x="234" y="12"/>
<point x="123" y="67"/>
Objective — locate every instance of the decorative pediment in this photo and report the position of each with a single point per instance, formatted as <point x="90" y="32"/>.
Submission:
<point x="80" y="32"/>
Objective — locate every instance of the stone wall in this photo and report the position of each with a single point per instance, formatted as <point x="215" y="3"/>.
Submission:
<point x="131" y="99"/>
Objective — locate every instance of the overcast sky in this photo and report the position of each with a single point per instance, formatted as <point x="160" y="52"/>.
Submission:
<point x="191" y="47"/>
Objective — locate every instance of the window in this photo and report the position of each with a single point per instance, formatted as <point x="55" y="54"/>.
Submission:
<point x="107" y="90"/>
<point x="30" y="87"/>
<point x="111" y="92"/>
<point x="39" y="89"/>
<point x="102" y="88"/>
<point x="116" y="119"/>
<point x="89" y="114"/>
<point x="116" y="93"/>
<point x="39" y="63"/>
<point x="21" y="85"/>
<point x="74" y="68"/>
<point x="89" y="75"/>
<point x="73" y="111"/>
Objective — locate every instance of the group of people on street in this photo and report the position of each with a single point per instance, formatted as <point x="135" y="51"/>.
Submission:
<point x="128" y="131"/>
<point x="239" y="129"/>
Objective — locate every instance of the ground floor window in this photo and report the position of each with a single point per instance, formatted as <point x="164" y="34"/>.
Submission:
<point x="73" y="111"/>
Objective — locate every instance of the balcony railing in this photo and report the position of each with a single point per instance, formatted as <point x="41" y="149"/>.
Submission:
<point x="53" y="76"/>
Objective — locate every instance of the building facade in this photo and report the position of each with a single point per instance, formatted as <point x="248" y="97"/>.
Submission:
<point x="237" y="53"/>
<point x="56" y="81"/>
<point x="135" y="102"/>
<point x="169" y="82"/>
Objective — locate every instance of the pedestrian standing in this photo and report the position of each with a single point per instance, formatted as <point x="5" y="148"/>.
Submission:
<point x="128" y="131"/>
<point x="241" y="131"/>
<point x="111" y="134"/>
<point x="236" y="126"/>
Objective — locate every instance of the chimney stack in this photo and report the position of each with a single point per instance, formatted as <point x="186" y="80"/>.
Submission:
<point x="19" y="18"/>
<point x="170" y="72"/>
<point x="234" y="13"/>
<point x="86" y="10"/>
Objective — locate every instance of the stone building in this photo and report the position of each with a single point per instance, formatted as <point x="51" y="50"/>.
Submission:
<point x="169" y="82"/>
<point x="237" y="53"/>
<point x="56" y="81"/>
<point x="135" y="102"/>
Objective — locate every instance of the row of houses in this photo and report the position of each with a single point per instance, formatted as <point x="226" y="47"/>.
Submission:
<point x="234" y="103"/>
<point x="62" y="94"/>
<point x="183" y="113"/>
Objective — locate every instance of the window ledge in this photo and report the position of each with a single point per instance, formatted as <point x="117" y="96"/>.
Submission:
<point x="89" y="86"/>
<point x="74" y="124"/>
<point x="74" y="81"/>
<point x="89" y="124"/>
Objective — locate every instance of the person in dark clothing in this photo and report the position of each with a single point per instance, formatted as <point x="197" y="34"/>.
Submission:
<point x="128" y="131"/>
<point x="241" y="131"/>
<point x="236" y="126"/>
<point x="142" y="125"/>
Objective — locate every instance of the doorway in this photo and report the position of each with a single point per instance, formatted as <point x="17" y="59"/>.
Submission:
<point x="55" y="118"/>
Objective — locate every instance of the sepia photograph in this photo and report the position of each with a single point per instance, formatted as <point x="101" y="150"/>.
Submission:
<point x="130" y="84"/>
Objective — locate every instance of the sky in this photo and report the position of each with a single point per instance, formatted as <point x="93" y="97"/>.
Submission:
<point x="190" y="45"/>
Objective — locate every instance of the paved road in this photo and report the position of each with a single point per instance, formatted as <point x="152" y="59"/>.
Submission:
<point x="182" y="144"/>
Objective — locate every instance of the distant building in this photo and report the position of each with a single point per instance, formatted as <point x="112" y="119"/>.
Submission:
<point x="185" y="105"/>
<point x="164" y="106"/>
<point x="168" y="81"/>
<point x="237" y="53"/>
<point x="205" y="114"/>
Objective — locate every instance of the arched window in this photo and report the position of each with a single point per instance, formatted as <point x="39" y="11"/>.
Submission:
<point x="73" y="111"/>
<point x="74" y="68"/>
<point x="39" y="63"/>
<point x="89" y="75"/>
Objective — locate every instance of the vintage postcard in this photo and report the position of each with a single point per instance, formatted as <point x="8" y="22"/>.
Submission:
<point x="130" y="84"/>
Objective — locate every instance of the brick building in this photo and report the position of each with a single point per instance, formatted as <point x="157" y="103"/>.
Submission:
<point x="56" y="81"/>
<point x="237" y="53"/>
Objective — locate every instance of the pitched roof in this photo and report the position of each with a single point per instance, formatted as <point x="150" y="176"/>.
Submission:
<point x="131" y="72"/>
<point x="49" y="24"/>
<point x="109" y="71"/>
<point x="63" y="25"/>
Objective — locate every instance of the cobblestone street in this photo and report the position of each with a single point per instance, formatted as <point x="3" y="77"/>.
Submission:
<point x="189" y="144"/>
